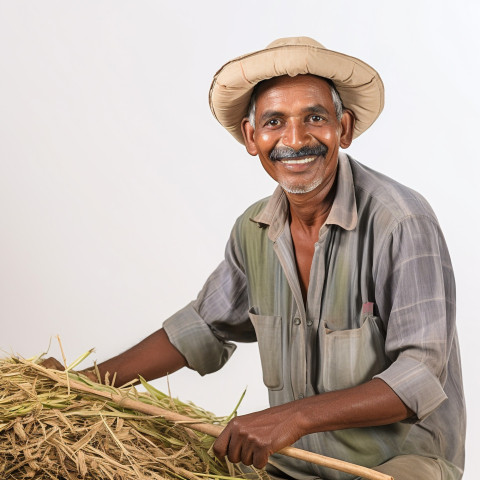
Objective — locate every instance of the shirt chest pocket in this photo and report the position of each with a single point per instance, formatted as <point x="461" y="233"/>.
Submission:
<point x="351" y="357"/>
<point x="268" y="329"/>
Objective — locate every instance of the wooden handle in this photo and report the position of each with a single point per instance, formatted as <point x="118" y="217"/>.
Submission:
<point x="330" y="462"/>
<point x="209" y="429"/>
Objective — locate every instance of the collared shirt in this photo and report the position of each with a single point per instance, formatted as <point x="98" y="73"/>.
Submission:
<point x="380" y="304"/>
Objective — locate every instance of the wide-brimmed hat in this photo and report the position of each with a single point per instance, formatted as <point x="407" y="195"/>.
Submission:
<point x="359" y="85"/>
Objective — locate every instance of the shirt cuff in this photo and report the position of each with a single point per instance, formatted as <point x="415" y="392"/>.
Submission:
<point x="415" y="384"/>
<point x="194" y="339"/>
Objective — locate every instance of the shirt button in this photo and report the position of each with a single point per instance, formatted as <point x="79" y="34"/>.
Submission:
<point x="309" y="323"/>
<point x="300" y="396"/>
<point x="297" y="321"/>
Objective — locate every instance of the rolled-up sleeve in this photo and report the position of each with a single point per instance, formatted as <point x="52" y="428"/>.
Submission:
<point x="415" y="292"/>
<point x="194" y="339"/>
<point x="203" y="331"/>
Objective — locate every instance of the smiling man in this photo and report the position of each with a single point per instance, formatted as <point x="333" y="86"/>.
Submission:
<point x="297" y="136"/>
<point x="342" y="276"/>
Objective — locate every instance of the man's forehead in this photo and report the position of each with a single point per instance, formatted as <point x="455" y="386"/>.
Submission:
<point x="303" y="86"/>
<point x="286" y="81"/>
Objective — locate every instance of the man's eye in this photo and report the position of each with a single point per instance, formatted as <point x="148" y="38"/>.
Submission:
<point x="316" y="118"/>
<point x="273" y="122"/>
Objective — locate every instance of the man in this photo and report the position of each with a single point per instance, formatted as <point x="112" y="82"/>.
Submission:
<point x="342" y="276"/>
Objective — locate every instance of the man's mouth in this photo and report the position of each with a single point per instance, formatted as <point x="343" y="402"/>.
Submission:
<point x="293" y="161"/>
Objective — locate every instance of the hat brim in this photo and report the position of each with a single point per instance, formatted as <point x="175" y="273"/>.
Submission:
<point x="359" y="85"/>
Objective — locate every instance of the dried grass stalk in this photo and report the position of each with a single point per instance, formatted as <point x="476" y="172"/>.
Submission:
<point x="51" y="431"/>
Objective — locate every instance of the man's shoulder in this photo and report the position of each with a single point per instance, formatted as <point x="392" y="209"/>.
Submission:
<point x="376" y="192"/>
<point x="256" y="208"/>
<point x="248" y="218"/>
<point x="248" y="233"/>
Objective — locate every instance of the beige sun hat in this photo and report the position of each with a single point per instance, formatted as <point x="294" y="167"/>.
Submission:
<point x="359" y="85"/>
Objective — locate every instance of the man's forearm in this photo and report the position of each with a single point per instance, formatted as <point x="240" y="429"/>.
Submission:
<point x="371" y="404"/>
<point x="153" y="357"/>
<point x="252" y="438"/>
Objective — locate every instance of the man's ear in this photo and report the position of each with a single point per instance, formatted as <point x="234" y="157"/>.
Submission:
<point x="348" y="124"/>
<point x="247" y="132"/>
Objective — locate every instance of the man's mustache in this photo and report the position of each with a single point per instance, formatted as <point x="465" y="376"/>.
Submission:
<point x="281" y="153"/>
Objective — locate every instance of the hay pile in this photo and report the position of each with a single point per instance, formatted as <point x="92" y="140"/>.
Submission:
<point x="50" y="430"/>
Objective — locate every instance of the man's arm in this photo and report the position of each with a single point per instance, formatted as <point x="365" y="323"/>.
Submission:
<point x="153" y="357"/>
<point x="252" y="438"/>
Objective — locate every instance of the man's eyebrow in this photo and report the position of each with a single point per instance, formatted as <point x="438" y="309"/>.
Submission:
<point x="269" y="114"/>
<point x="317" y="108"/>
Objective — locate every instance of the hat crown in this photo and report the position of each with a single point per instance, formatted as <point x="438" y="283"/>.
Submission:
<point x="287" y="41"/>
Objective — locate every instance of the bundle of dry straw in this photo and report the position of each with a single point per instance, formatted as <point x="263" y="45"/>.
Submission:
<point x="50" y="430"/>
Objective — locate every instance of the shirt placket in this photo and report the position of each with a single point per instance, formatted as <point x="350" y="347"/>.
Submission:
<point x="295" y="317"/>
<point x="302" y="324"/>
<point x="314" y="307"/>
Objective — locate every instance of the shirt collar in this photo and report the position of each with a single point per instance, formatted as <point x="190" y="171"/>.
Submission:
<point x="342" y="213"/>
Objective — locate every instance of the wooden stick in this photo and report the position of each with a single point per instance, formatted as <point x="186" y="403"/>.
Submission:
<point x="209" y="429"/>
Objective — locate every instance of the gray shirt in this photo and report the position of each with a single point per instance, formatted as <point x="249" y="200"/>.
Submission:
<point x="380" y="303"/>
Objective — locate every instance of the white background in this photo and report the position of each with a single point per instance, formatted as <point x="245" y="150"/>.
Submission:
<point x="118" y="188"/>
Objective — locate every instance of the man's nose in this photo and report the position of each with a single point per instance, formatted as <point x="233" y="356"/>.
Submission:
<point x="295" y="134"/>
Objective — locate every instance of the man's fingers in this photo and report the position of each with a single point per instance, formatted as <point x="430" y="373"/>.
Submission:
<point x="53" y="364"/>
<point x="247" y="456"/>
<point x="90" y="374"/>
<point x="229" y="445"/>
<point x="255" y="451"/>
<point x="234" y="450"/>
<point x="233" y="440"/>
<point x="241" y="448"/>
<point x="252" y="438"/>
<point x="221" y="444"/>
<point x="260" y="458"/>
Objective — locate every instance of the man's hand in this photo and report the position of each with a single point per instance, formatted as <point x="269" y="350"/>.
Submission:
<point x="53" y="364"/>
<point x="153" y="357"/>
<point x="252" y="438"/>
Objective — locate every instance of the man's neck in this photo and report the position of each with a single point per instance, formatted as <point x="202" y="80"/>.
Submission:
<point x="308" y="212"/>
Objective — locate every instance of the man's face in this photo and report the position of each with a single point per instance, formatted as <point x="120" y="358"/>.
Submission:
<point x="297" y="134"/>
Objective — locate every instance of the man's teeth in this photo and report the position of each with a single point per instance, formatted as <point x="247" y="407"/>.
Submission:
<point x="294" y="161"/>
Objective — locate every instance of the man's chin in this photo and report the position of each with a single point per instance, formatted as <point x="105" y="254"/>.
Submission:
<point x="300" y="189"/>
